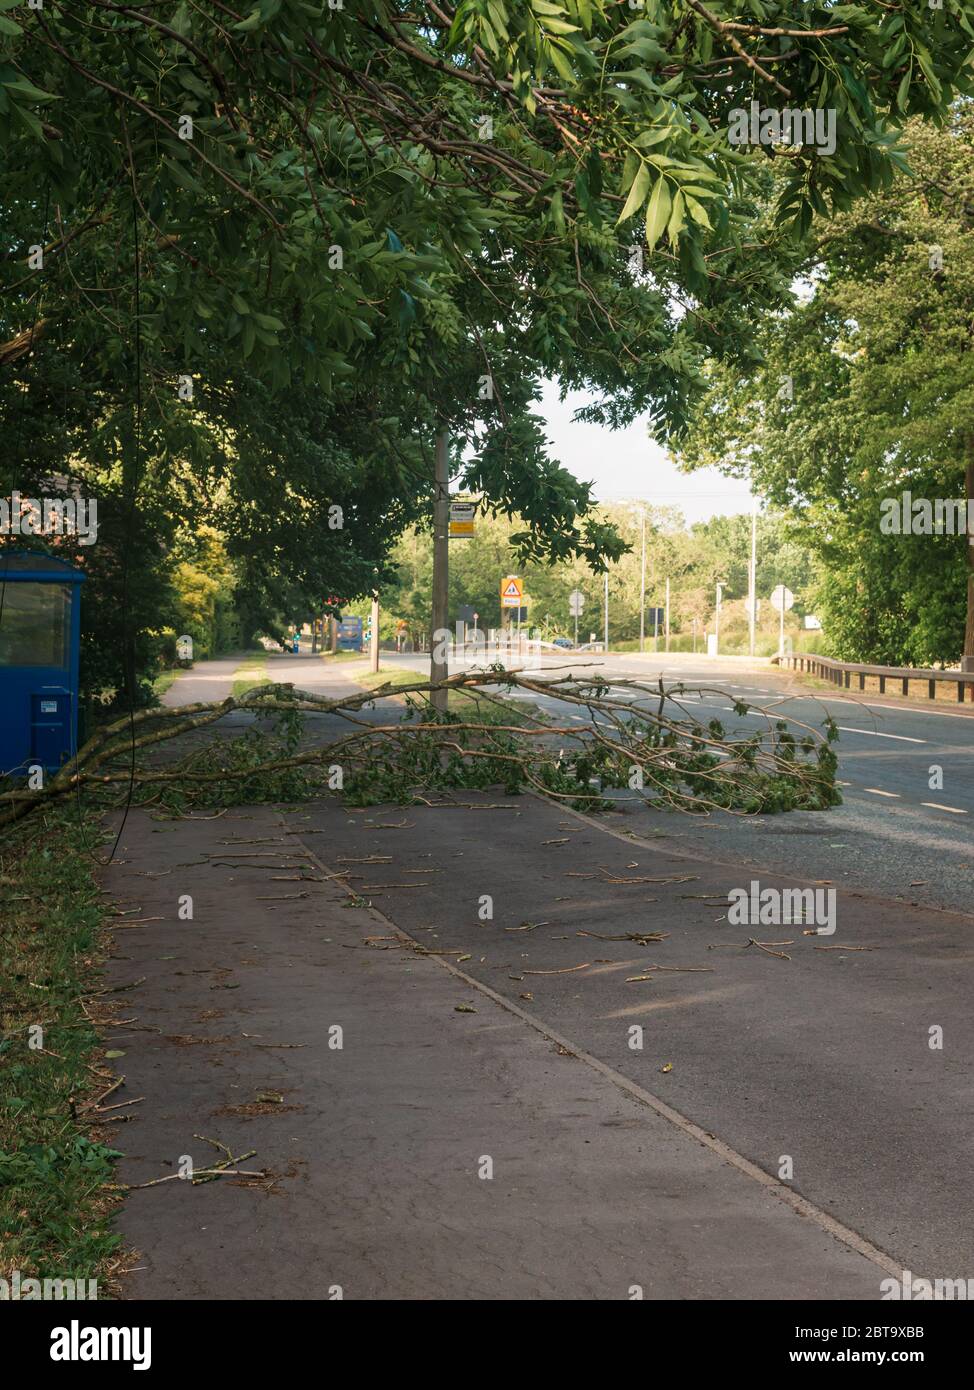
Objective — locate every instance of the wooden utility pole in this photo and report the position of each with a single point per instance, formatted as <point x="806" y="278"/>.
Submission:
<point x="439" y="670"/>
<point x="374" y="642"/>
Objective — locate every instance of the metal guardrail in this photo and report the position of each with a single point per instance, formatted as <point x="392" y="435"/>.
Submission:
<point x="841" y="672"/>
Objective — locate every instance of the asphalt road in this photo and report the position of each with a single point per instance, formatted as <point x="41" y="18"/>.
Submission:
<point x="816" y="1059"/>
<point x="373" y="1154"/>
<point x="819" y="1057"/>
<point x="895" y="835"/>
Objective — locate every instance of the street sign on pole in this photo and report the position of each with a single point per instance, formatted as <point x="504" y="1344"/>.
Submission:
<point x="782" y="599"/>
<point x="184" y="647"/>
<point x="576" y="602"/>
<point x="462" y="515"/>
<point x="512" y="591"/>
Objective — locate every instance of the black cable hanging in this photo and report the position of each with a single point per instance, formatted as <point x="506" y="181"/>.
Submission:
<point x="23" y="399"/>
<point x="133" y="479"/>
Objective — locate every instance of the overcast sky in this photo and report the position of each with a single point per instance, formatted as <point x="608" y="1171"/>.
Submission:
<point x="626" y="463"/>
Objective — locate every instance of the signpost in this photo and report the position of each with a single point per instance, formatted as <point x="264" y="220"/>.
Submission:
<point x="512" y="591"/>
<point x="782" y="599"/>
<point x="184" y="648"/>
<point x="462" y="515"/>
<point x="576" y="602"/>
<point x="512" y="597"/>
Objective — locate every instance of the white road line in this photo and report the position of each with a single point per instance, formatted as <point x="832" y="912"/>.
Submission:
<point x="900" y="709"/>
<point x="874" y="733"/>
<point x="935" y="806"/>
<point x="876" y="792"/>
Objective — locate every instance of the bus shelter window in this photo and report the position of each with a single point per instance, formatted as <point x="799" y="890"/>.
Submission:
<point x="35" y="625"/>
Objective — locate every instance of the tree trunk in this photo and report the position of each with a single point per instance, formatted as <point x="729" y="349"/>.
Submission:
<point x="439" y="669"/>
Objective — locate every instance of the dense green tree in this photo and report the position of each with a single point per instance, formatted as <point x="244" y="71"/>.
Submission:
<point x="867" y="392"/>
<point x="364" y="222"/>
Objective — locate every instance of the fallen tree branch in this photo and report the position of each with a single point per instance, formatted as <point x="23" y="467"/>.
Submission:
<point x="648" y="745"/>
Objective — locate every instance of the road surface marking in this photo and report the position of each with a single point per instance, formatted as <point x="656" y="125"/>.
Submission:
<point x="874" y="733"/>
<point x="900" y="709"/>
<point x="935" y="806"/>
<point x="876" y="792"/>
<point x="801" y="1205"/>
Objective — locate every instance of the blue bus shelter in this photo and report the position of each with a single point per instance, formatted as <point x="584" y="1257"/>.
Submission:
<point x="40" y="638"/>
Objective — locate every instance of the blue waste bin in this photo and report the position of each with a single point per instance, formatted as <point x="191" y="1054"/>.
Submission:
<point x="40" y="638"/>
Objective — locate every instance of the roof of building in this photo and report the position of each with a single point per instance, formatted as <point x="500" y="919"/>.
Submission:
<point x="27" y="565"/>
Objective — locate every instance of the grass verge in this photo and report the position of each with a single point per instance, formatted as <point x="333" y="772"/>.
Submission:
<point x="251" y="671"/>
<point x="164" y="680"/>
<point x="944" y="701"/>
<point x="55" y="1166"/>
<point x="494" y="710"/>
<point x="344" y="656"/>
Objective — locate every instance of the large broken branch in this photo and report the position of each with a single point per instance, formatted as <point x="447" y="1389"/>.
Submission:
<point x="648" y="745"/>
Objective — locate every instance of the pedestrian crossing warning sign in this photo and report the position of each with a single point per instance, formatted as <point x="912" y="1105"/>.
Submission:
<point x="512" y="592"/>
